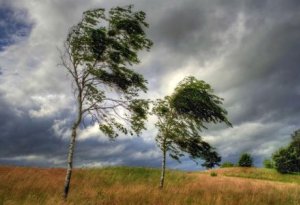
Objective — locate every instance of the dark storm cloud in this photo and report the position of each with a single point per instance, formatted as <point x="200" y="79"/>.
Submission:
<point x="21" y="135"/>
<point x="28" y="141"/>
<point x="32" y="141"/>
<point x="190" y="27"/>
<point x="189" y="30"/>
<point x="13" y="25"/>
<point x="266" y="68"/>
<point x="123" y="152"/>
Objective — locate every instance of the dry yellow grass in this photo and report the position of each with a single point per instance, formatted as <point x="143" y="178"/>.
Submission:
<point x="124" y="185"/>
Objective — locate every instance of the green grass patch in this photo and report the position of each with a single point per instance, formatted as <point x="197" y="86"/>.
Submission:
<point x="261" y="173"/>
<point x="110" y="175"/>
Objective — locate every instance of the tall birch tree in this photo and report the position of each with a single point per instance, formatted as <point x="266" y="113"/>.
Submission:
<point x="98" y="54"/>
<point x="181" y="118"/>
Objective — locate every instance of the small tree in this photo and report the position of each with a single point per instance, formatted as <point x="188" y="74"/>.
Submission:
<point x="287" y="159"/>
<point x="245" y="160"/>
<point x="269" y="164"/>
<point x="181" y="118"/>
<point x="98" y="53"/>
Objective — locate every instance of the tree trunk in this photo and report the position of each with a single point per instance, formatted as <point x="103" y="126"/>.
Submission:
<point x="70" y="162"/>
<point x="72" y="147"/>
<point x="163" y="169"/>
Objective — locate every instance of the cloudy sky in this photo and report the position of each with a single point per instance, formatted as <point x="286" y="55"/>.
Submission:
<point x="247" y="50"/>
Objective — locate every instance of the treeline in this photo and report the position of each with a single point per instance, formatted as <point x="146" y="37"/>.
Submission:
<point x="285" y="160"/>
<point x="245" y="160"/>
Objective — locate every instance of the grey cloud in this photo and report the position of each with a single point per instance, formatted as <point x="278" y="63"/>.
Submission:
<point x="266" y="73"/>
<point x="190" y="30"/>
<point x="22" y="135"/>
<point x="14" y="25"/>
<point x="32" y="141"/>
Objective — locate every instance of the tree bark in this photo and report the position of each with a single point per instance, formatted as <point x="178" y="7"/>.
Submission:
<point x="70" y="161"/>
<point x="72" y="147"/>
<point x="163" y="169"/>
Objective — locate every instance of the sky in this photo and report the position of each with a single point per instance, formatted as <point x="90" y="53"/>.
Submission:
<point x="247" y="50"/>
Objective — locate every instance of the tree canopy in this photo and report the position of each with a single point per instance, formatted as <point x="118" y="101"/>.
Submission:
<point x="287" y="159"/>
<point x="245" y="160"/>
<point x="181" y="118"/>
<point x="99" y="51"/>
<point x="194" y="100"/>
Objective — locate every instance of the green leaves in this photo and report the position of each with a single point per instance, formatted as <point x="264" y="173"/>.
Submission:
<point x="195" y="99"/>
<point x="110" y="43"/>
<point x="245" y="160"/>
<point x="212" y="159"/>
<point x="98" y="43"/>
<point x="181" y="118"/>
<point x="139" y="112"/>
<point x="287" y="159"/>
<point x="100" y="51"/>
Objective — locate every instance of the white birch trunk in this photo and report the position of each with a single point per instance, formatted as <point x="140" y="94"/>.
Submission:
<point x="72" y="147"/>
<point x="70" y="162"/>
<point x="163" y="169"/>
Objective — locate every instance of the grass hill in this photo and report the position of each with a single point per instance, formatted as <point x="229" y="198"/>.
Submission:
<point x="131" y="185"/>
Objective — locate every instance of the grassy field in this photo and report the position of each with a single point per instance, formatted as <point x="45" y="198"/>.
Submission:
<point x="259" y="173"/>
<point x="125" y="185"/>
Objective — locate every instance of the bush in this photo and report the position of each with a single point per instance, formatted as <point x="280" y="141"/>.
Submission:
<point x="287" y="159"/>
<point x="245" y="160"/>
<point x="213" y="174"/>
<point x="227" y="164"/>
<point x="269" y="164"/>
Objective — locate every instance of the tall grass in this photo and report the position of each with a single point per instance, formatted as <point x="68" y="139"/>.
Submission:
<point x="128" y="185"/>
<point x="260" y="173"/>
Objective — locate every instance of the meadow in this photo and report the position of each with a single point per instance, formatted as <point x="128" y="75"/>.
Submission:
<point x="134" y="185"/>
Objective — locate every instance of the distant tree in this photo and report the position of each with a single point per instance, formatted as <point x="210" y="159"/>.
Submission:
<point x="212" y="159"/>
<point x="296" y="136"/>
<point x="245" y="160"/>
<point x="269" y="164"/>
<point x="181" y="118"/>
<point x="287" y="159"/>
<point x="98" y="53"/>
<point x="227" y="164"/>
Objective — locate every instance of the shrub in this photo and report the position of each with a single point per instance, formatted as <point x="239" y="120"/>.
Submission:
<point x="227" y="164"/>
<point x="287" y="159"/>
<point x="245" y="160"/>
<point x="213" y="174"/>
<point x="269" y="164"/>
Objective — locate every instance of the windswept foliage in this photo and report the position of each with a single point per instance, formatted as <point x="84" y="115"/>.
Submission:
<point x="181" y="118"/>
<point x="98" y="54"/>
<point x="212" y="159"/>
<point x="194" y="99"/>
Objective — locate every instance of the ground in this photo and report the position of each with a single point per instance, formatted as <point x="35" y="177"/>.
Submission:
<point x="133" y="185"/>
